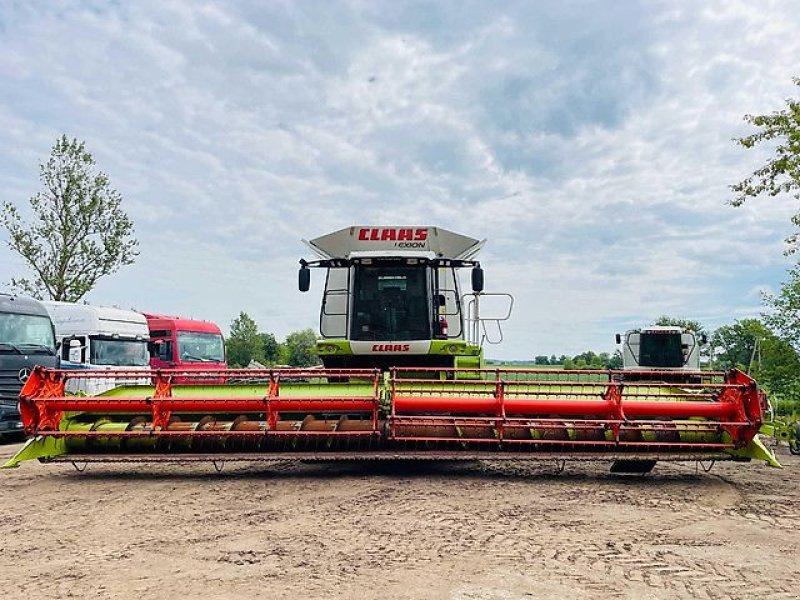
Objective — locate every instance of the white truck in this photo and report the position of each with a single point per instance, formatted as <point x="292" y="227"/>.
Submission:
<point x="661" y="348"/>
<point x="101" y="338"/>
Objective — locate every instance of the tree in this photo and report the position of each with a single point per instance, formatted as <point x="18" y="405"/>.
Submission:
<point x="244" y="343"/>
<point x="270" y="348"/>
<point x="667" y="321"/>
<point x="736" y="346"/>
<point x="780" y="174"/>
<point x="301" y="348"/>
<point x="79" y="232"/>
<point x="615" y="360"/>
<point x="541" y="360"/>
<point x="784" y="315"/>
<point x="750" y="345"/>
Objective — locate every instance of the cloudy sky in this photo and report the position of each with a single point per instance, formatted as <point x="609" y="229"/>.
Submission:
<point x="590" y="142"/>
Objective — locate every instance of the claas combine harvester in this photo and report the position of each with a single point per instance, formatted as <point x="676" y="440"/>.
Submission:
<point x="403" y="377"/>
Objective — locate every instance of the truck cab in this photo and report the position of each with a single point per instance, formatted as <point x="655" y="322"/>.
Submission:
<point x="180" y="343"/>
<point x="99" y="338"/>
<point x="661" y="348"/>
<point x="27" y="339"/>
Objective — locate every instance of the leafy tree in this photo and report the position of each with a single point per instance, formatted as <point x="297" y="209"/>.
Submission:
<point x="667" y="321"/>
<point x="79" y="232"/>
<point x="301" y="348"/>
<point x="780" y="174"/>
<point x="784" y="315"/>
<point x="615" y="360"/>
<point x="736" y="345"/>
<point x="541" y="360"/>
<point x="553" y="359"/>
<point x="270" y="348"/>
<point x="750" y="345"/>
<point x="244" y="343"/>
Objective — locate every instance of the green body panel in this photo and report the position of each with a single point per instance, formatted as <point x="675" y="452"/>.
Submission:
<point x="454" y="347"/>
<point x="39" y="447"/>
<point x="246" y="390"/>
<point x="756" y="450"/>
<point x="784" y="431"/>
<point x="329" y="347"/>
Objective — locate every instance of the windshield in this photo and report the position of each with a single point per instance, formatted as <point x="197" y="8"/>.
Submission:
<point x="200" y="347"/>
<point x="31" y="333"/>
<point x="391" y="303"/>
<point x="660" y="350"/>
<point x="119" y="353"/>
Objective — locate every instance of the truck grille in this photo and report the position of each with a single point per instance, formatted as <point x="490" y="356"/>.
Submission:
<point x="10" y="386"/>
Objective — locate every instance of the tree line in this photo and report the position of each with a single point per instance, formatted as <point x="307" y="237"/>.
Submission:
<point x="247" y="345"/>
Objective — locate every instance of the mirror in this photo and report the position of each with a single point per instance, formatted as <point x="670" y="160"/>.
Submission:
<point x="75" y="351"/>
<point x="619" y="338"/>
<point x="477" y="279"/>
<point x="304" y="279"/>
<point x="703" y="339"/>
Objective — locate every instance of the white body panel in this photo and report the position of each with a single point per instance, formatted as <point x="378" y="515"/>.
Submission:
<point x="631" y="349"/>
<point x="395" y="241"/>
<point x="92" y="326"/>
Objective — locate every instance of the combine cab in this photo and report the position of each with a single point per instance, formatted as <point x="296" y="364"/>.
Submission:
<point x="402" y="378"/>
<point x="393" y="299"/>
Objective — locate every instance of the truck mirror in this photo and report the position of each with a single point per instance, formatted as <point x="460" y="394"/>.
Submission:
<point x="75" y="351"/>
<point x="304" y="279"/>
<point x="703" y="339"/>
<point x="477" y="279"/>
<point x="619" y="338"/>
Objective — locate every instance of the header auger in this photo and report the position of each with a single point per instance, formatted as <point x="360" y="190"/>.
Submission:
<point x="402" y="377"/>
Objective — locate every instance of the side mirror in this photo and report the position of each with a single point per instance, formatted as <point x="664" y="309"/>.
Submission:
<point x="304" y="279"/>
<point x="75" y="351"/>
<point x="619" y="338"/>
<point x="477" y="279"/>
<point x="703" y="339"/>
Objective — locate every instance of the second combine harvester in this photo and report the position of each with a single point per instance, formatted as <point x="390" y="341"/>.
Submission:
<point x="402" y="377"/>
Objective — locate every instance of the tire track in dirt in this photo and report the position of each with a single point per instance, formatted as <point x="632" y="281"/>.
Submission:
<point x="395" y="531"/>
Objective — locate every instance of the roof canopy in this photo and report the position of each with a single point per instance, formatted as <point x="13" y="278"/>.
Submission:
<point x="395" y="240"/>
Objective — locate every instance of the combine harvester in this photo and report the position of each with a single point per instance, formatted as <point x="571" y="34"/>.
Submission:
<point x="402" y="378"/>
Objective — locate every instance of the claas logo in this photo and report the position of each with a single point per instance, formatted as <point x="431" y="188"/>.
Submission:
<point x="384" y="234"/>
<point x="391" y="347"/>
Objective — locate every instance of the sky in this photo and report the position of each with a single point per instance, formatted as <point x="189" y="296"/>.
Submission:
<point x="590" y="143"/>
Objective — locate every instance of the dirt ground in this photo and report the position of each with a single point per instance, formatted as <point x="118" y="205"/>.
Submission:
<point x="464" y="531"/>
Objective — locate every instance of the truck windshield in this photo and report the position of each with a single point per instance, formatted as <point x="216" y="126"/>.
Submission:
<point x="194" y="346"/>
<point x="391" y="303"/>
<point x="660" y="350"/>
<point x="32" y="334"/>
<point x="119" y="353"/>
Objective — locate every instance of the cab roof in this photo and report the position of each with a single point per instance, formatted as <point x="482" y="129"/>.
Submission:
<point x="155" y="321"/>
<point x="11" y="303"/>
<point x="395" y="240"/>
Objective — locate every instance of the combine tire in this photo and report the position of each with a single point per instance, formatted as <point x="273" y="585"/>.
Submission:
<point x="632" y="466"/>
<point x="794" y="445"/>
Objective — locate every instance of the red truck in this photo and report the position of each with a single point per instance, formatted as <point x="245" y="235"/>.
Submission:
<point x="181" y="343"/>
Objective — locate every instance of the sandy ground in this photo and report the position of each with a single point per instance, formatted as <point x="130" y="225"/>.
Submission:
<point x="466" y="531"/>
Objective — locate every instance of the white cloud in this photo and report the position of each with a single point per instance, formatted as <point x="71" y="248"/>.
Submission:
<point x="590" y="144"/>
